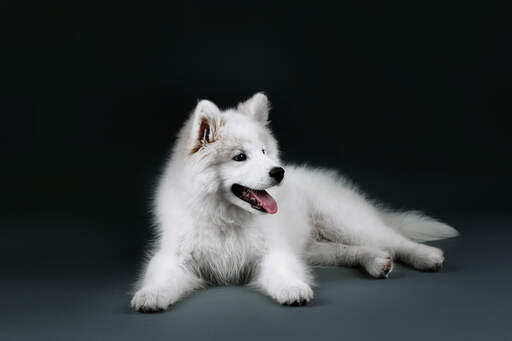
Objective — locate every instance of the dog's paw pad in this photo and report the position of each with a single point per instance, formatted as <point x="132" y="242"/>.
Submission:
<point x="387" y="268"/>
<point x="380" y="267"/>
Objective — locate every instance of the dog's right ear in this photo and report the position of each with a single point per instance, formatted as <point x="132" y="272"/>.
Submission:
<point x="205" y="124"/>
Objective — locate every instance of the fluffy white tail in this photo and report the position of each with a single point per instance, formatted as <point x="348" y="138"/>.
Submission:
<point x="418" y="227"/>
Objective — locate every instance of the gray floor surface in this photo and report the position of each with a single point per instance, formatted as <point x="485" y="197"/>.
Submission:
<point x="63" y="283"/>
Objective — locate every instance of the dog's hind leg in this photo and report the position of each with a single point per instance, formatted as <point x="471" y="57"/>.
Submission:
<point x="362" y="226"/>
<point x="341" y="214"/>
<point x="376" y="262"/>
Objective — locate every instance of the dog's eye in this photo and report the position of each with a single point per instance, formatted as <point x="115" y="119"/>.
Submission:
<point x="240" y="157"/>
<point x="263" y="151"/>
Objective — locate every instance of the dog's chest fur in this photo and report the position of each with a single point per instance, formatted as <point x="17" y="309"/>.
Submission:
<point x="227" y="255"/>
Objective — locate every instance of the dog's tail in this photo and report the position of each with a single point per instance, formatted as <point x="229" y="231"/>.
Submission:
<point x="417" y="226"/>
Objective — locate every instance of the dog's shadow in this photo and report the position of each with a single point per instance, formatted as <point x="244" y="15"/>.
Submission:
<point x="342" y="274"/>
<point x="323" y="276"/>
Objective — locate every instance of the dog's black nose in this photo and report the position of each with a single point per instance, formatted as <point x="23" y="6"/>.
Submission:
<point x="277" y="173"/>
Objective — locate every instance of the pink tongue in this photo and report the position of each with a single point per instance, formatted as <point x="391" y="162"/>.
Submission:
<point x="265" y="200"/>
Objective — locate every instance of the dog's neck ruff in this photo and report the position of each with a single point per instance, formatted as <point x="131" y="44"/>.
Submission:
<point x="218" y="213"/>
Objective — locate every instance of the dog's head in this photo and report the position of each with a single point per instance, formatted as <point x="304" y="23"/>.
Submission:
<point x="236" y="153"/>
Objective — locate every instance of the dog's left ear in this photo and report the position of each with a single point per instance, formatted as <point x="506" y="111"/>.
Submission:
<point x="256" y="107"/>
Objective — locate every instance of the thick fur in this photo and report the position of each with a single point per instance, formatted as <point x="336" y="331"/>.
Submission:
<point x="207" y="235"/>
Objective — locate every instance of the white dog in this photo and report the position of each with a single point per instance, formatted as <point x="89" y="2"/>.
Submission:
<point x="218" y="222"/>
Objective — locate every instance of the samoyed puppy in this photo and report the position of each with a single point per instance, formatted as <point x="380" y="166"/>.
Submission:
<point x="228" y="211"/>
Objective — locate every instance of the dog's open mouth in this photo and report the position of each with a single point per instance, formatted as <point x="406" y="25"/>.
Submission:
<point x="259" y="199"/>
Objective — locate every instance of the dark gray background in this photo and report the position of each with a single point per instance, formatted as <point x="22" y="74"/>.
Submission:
<point x="411" y="102"/>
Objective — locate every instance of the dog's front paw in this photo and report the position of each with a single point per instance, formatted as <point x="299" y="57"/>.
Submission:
<point x="151" y="300"/>
<point x="294" y="294"/>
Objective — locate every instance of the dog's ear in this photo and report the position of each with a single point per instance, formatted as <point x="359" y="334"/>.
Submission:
<point x="257" y="107"/>
<point x="205" y="123"/>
